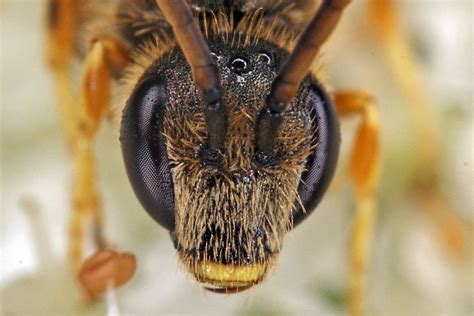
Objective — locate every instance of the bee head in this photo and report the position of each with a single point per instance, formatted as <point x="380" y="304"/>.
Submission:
<point x="227" y="217"/>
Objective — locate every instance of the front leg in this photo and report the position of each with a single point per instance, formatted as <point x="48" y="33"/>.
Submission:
<point x="106" y="267"/>
<point x="81" y="120"/>
<point x="393" y="41"/>
<point x="364" y="172"/>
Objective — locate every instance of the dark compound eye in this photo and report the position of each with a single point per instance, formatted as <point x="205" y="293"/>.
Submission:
<point x="239" y="65"/>
<point x="265" y="58"/>
<point x="144" y="151"/>
<point x="322" y="162"/>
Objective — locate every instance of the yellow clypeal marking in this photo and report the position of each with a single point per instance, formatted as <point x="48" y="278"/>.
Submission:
<point x="226" y="274"/>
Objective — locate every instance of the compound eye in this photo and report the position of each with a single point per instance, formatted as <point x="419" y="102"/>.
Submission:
<point x="239" y="65"/>
<point x="144" y="150"/>
<point x="322" y="161"/>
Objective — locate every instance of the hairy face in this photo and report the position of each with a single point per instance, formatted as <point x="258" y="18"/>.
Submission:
<point x="227" y="217"/>
<point x="235" y="214"/>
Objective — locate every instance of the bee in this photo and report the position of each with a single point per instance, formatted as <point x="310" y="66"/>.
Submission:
<point x="228" y="137"/>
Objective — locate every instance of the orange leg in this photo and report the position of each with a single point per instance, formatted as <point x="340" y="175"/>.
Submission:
<point x="61" y="29"/>
<point x="394" y="43"/>
<point x="104" y="58"/>
<point x="93" y="102"/>
<point x="81" y="121"/>
<point x="364" y="172"/>
<point x="393" y="40"/>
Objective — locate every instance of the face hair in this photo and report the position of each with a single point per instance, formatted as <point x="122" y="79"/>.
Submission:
<point x="237" y="214"/>
<point x="240" y="212"/>
<point x="205" y="74"/>
<point x="237" y="196"/>
<point x="294" y="70"/>
<point x="250" y="30"/>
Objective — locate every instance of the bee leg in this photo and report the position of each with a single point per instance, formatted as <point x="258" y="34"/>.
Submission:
<point x="93" y="102"/>
<point x="62" y="23"/>
<point x="393" y="41"/>
<point x="81" y="122"/>
<point x="106" y="57"/>
<point x="364" y="172"/>
<point x="61" y="28"/>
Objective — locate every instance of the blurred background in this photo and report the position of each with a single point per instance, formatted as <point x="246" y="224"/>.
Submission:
<point x="422" y="255"/>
